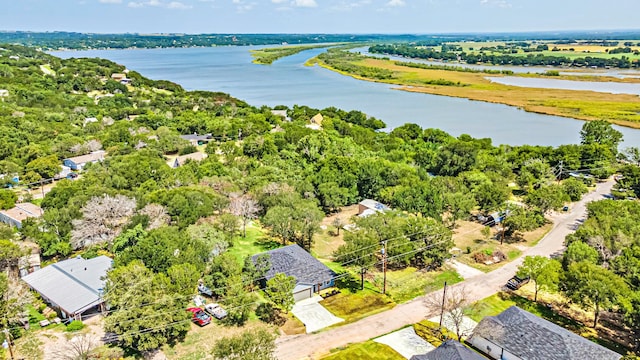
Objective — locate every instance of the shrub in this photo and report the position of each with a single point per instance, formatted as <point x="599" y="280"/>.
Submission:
<point x="75" y="325"/>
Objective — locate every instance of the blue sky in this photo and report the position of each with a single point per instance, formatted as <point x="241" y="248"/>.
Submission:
<point x="317" y="16"/>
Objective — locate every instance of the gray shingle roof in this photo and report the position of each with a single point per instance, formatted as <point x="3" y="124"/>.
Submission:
<point x="533" y="338"/>
<point x="294" y="261"/>
<point x="74" y="284"/>
<point x="450" y="350"/>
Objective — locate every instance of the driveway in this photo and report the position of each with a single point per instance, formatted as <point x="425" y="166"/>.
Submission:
<point x="313" y="315"/>
<point x="406" y="342"/>
<point x="312" y="346"/>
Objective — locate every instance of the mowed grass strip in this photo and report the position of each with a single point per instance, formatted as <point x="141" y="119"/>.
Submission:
<point x="354" y="306"/>
<point x="369" y="350"/>
<point x="621" y="109"/>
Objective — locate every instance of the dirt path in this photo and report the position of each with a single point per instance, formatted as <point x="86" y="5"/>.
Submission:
<point x="312" y="346"/>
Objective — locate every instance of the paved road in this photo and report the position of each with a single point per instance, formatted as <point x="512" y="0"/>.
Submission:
<point x="312" y="346"/>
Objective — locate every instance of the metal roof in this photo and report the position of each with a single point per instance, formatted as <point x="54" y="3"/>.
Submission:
<point x="74" y="285"/>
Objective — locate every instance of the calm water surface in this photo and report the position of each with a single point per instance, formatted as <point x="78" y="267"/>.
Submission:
<point x="606" y="87"/>
<point x="288" y="82"/>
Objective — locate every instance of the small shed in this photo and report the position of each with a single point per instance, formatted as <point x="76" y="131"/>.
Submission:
<point x="369" y="207"/>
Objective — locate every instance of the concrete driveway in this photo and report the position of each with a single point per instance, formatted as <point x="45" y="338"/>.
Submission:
<point x="313" y="315"/>
<point x="406" y="342"/>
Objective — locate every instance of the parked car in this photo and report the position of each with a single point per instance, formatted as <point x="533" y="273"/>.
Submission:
<point x="516" y="282"/>
<point x="199" y="300"/>
<point x="204" y="290"/>
<point x="199" y="317"/>
<point x="216" y="311"/>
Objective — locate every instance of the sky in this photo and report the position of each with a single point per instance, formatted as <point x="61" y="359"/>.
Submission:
<point x="318" y="16"/>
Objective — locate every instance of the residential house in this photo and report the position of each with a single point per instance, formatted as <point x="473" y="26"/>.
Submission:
<point x="450" y="350"/>
<point x="196" y="139"/>
<point x="517" y="334"/>
<point x="90" y="120"/>
<point x="315" y="123"/>
<point x="182" y="159"/>
<point x="73" y="287"/>
<point x="16" y="215"/>
<point x="78" y="162"/>
<point x="311" y="275"/>
<point x="282" y="114"/>
<point x="368" y="207"/>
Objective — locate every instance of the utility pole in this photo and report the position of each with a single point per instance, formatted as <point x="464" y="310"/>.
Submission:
<point x="444" y="296"/>
<point x="384" y="267"/>
<point x="363" y="270"/>
<point x="560" y="166"/>
<point x="8" y="339"/>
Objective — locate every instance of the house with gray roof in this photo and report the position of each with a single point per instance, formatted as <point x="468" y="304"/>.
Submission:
<point x="517" y="334"/>
<point x="311" y="275"/>
<point x="450" y="350"/>
<point x="74" y="286"/>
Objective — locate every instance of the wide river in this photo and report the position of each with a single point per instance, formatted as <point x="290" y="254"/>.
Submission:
<point x="288" y="82"/>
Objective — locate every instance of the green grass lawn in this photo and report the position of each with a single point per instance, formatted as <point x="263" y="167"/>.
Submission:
<point x="407" y="284"/>
<point x="369" y="350"/>
<point x="353" y="306"/>
<point x="255" y="242"/>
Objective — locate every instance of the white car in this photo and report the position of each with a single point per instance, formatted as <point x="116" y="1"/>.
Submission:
<point x="216" y="311"/>
<point x="198" y="300"/>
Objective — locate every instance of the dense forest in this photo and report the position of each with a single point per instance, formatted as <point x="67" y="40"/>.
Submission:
<point x="174" y="226"/>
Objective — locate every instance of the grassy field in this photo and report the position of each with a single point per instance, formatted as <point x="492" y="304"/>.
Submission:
<point x="353" y="306"/>
<point x="255" y="242"/>
<point x="410" y="283"/>
<point x="621" y="109"/>
<point x="369" y="350"/>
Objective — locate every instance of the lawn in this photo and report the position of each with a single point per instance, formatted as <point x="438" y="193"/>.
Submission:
<point x="327" y="241"/>
<point x="200" y="341"/>
<point x="255" y="242"/>
<point x="369" y="350"/>
<point x="353" y="306"/>
<point x="407" y="284"/>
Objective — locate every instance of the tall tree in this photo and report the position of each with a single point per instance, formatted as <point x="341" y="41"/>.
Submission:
<point x="135" y="295"/>
<point x="544" y="272"/>
<point x="245" y="207"/>
<point x="593" y="287"/>
<point x="280" y="291"/>
<point x="102" y="220"/>
<point x="600" y="132"/>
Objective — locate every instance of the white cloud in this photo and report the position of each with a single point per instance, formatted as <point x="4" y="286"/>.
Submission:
<point x="304" y="3"/>
<point x="350" y="5"/>
<point x="397" y="3"/>
<point x="178" y="5"/>
<point x="496" y="3"/>
<point x="111" y="1"/>
<point x="157" y="3"/>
